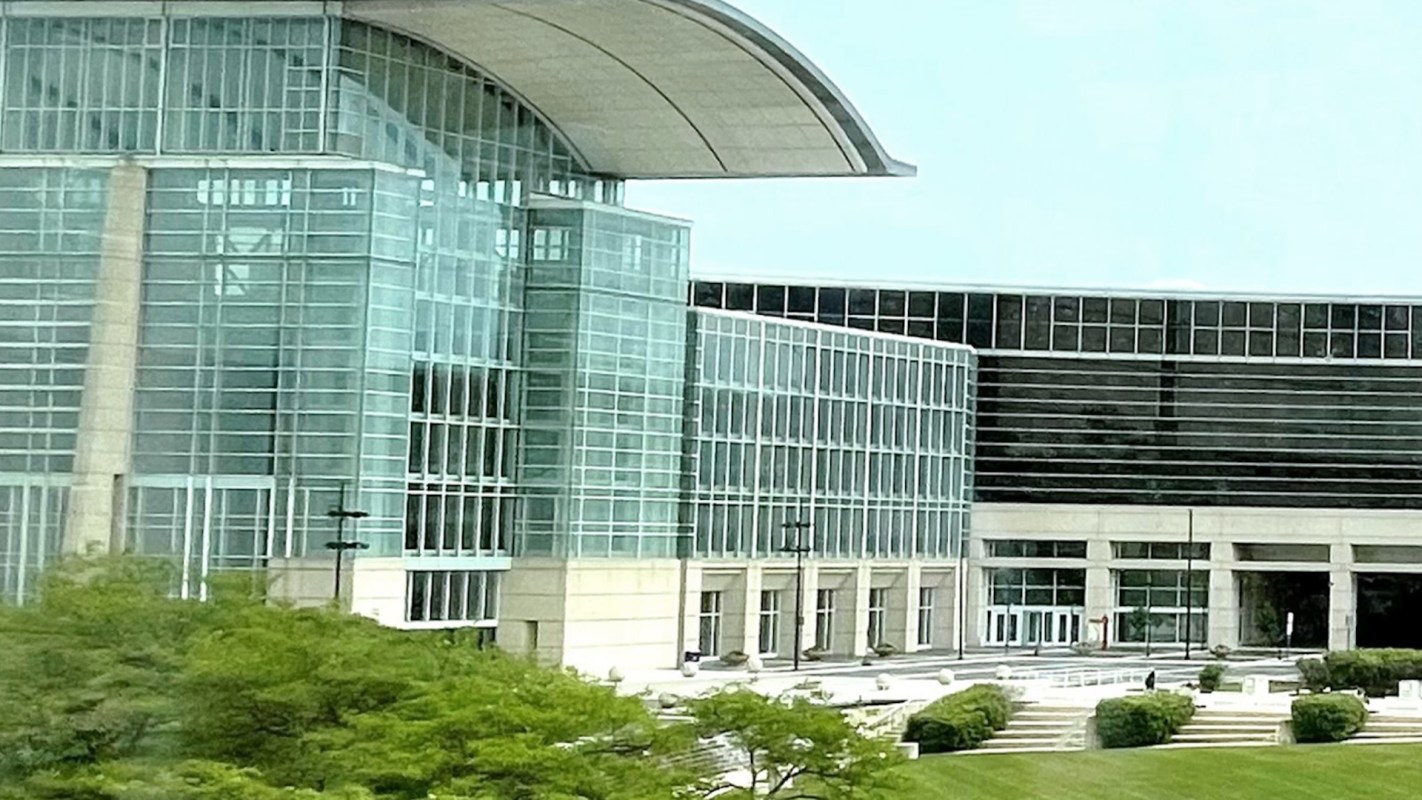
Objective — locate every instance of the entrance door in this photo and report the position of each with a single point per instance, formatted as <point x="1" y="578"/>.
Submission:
<point x="1003" y="627"/>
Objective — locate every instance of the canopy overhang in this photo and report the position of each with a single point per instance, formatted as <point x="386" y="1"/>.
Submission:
<point x="652" y="89"/>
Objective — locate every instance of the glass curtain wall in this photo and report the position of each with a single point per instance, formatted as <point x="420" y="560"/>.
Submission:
<point x="867" y="437"/>
<point x="302" y="327"/>
<point x="50" y="224"/>
<point x="606" y="372"/>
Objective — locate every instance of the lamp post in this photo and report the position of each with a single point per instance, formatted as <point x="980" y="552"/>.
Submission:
<point x="340" y="514"/>
<point x="799" y="548"/>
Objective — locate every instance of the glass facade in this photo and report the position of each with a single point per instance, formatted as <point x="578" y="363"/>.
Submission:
<point x="332" y="286"/>
<point x="868" y="438"/>
<point x="605" y="360"/>
<point x="1162" y="400"/>
<point x="364" y="276"/>
<point x="50" y="223"/>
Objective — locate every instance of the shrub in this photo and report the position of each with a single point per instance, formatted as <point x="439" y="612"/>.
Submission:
<point x="1328" y="717"/>
<point x="1314" y="674"/>
<point x="885" y="650"/>
<point x="960" y="721"/>
<point x="1142" y="720"/>
<point x="1376" y="672"/>
<point x="1220" y="651"/>
<point x="1210" y="677"/>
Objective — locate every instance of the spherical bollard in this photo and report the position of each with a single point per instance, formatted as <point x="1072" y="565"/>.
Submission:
<point x="689" y="669"/>
<point x="883" y="681"/>
<point x="616" y="675"/>
<point x="667" y="700"/>
<point x="945" y="677"/>
<point x="1004" y="672"/>
<point x="754" y="665"/>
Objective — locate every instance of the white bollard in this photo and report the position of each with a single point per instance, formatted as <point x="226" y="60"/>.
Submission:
<point x="945" y="677"/>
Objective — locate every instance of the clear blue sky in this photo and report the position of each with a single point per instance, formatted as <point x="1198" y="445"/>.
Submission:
<point x="1231" y="144"/>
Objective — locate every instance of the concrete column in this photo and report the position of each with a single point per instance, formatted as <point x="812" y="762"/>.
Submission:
<point x="1224" y="596"/>
<point x="974" y="596"/>
<point x="903" y="609"/>
<point x="750" y="620"/>
<point x="103" y="446"/>
<point x="810" y="587"/>
<point x="1100" y="595"/>
<point x="863" y="578"/>
<point x="1342" y="598"/>
<point x="690" y="610"/>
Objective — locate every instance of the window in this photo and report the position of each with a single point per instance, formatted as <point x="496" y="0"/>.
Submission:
<point x="925" y="616"/>
<point x="824" y="618"/>
<point x="769" y="622"/>
<point x="1178" y="551"/>
<point x="710" y="641"/>
<point x="878" y="609"/>
<point x="452" y="596"/>
<point x="550" y="244"/>
<point x="1028" y="548"/>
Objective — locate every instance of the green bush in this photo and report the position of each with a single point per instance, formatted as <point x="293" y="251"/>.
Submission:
<point x="1314" y="674"/>
<point x="1210" y="677"/>
<point x="1328" y="717"/>
<point x="1376" y="672"/>
<point x="960" y="721"/>
<point x="1142" y="720"/>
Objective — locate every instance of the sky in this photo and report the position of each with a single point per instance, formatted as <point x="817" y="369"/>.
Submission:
<point x="1242" y="145"/>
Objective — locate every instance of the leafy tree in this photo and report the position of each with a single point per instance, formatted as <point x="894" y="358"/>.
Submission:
<point x="112" y="689"/>
<point x="87" y="670"/>
<point x="794" y="748"/>
<point x="194" y="780"/>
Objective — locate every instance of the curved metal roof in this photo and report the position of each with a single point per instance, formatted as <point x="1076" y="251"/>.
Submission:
<point x="654" y="88"/>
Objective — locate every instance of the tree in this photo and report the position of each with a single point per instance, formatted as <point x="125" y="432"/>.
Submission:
<point x="794" y="748"/>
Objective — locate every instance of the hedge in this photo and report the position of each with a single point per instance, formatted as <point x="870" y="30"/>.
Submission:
<point x="1142" y="720"/>
<point x="1376" y="672"/>
<point x="1328" y="717"/>
<point x="1210" y="677"/>
<point x="960" y="721"/>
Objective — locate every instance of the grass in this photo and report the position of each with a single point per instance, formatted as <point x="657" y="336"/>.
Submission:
<point x="1325" y="772"/>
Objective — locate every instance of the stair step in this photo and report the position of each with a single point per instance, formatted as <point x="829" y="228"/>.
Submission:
<point x="1195" y="745"/>
<point x="1360" y="739"/>
<point x="1045" y="723"/>
<point x="1227" y="728"/>
<point x="1222" y="737"/>
<point x="1025" y="741"/>
<point x="1008" y="751"/>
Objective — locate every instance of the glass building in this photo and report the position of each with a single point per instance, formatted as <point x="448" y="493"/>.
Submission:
<point x="1226" y="459"/>
<point x="273" y="273"/>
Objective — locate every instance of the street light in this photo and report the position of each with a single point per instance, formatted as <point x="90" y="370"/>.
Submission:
<point x="799" y="548"/>
<point x="340" y="514"/>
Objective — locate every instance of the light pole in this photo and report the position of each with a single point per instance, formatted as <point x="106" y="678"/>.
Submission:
<point x="340" y="513"/>
<point x="799" y="548"/>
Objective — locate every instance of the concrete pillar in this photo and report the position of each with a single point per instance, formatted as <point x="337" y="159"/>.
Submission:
<point x="859" y="590"/>
<point x="1224" y="596"/>
<point x="810" y="588"/>
<point x="974" y="596"/>
<point x="94" y="522"/>
<point x="1100" y="594"/>
<point x="690" y="610"/>
<point x="750" y="619"/>
<point x="1342" y="598"/>
<point x="903" y="608"/>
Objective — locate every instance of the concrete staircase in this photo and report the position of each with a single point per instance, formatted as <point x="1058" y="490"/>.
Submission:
<point x="1384" y="728"/>
<point x="1229" y="728"/>
<point x="1036" y="728"/>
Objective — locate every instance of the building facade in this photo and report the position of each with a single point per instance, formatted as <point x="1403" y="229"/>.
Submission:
<point x="280" y="279"/>
<point x="1170" y="466"/>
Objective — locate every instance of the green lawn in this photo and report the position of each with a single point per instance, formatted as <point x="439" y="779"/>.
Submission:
<point x="1326" y="772"/>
